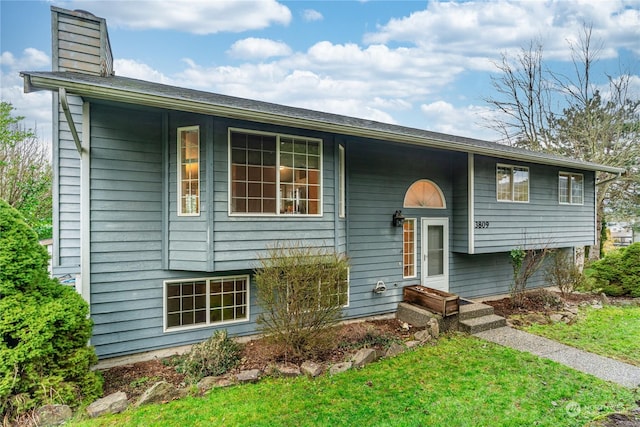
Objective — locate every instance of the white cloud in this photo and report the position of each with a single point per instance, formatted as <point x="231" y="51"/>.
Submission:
<point x="36" y="106"/>
<point x="138" y="70"/>
<point x="257" y="48"/>
<point x="310" y="15"/>
<point x="198" y="17"/>
<point x="484" y="29"/>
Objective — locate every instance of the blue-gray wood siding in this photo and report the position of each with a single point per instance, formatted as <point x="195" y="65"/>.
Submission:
<point x="127" y="272"/>
<point x="543" y="221"/>
<point x="379" y="174"/>
<point x="66" y="190"/>
<point x="128" y="182"/>
<point x="460" y="214"/>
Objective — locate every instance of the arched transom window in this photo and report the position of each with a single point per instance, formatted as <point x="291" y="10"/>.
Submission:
<point x="424" y="194"/>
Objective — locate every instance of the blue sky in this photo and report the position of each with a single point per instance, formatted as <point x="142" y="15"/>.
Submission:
<point x="415" y="63"/>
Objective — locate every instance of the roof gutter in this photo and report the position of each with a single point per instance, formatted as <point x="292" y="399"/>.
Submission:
<point x="613" y="178"/>
<point x="195" y="106"/>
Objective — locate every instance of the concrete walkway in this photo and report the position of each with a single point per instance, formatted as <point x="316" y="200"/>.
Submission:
<point x="598" y="366"/>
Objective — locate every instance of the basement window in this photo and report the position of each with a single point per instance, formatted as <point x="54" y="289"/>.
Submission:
<point x="207" y="301"/>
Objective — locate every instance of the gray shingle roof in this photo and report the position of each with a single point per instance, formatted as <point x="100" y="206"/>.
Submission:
<point x="123" y="89"/>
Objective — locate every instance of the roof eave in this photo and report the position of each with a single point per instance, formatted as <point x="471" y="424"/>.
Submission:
<point x="36" y="82"/>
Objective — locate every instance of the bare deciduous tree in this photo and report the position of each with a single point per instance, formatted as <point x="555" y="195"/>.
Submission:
<point x="25" y="172"/>
<point x="571" y="115"/>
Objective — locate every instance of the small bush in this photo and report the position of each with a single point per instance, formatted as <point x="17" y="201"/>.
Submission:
<point x="44" y="328"/>
<point x="563" y="273"/>
<point x="302" y="291"/>
<point x="618" y="273"/>
<point x="215" y="356"/>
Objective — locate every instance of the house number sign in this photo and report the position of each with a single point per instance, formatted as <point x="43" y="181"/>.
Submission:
<point x="482" y="224"/>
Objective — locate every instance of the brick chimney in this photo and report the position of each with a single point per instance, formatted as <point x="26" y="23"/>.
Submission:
<point x="80" y="42"/>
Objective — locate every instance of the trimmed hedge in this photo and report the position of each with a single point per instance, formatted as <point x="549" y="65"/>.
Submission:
<point x="618" y="273"/>
<point x="44" y="357"/>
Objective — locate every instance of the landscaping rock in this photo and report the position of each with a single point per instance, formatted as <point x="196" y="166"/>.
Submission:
<point x="394" y="350"/>
<point x="285" y="370"/>
<point x="596" y="306"/>
<point x="249" y="376"/>
<point x="556" y="317"/>
<point x="604" y="299"/>
<point x="338" y="368"/>
<point x="160" y="392"/>
<point x="311" y="369"/>
<point x="412" y="343"/>
<point x="53" y="415"/>
<point x="207" y="383"/>
<point x="434" y="328"/>
<point x="111" y="404"/>
<point x="535" y="318"/>
<point x="423" y="335"/>
<point x="364" y="356"/>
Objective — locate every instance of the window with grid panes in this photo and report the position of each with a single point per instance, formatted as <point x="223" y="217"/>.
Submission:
<point x="275" y="174"/>
<point x="209" y="301"/>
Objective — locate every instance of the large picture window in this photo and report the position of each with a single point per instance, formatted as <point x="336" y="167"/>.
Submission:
<point x="512" y="183"/>
<point x="570" y="188"/>
<point x="189" y="171"/>
<point x="274" y="174"/>
<point x="209" y="301"/>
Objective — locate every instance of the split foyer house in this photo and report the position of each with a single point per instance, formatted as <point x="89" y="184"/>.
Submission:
<point x="165" y="196"/>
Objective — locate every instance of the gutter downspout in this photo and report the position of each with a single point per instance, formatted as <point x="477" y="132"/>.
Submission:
<point x="618" y="176"/>
<point x="67" y="113"/>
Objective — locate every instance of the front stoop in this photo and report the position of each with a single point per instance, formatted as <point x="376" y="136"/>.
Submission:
<point x="472" y="318"/>
<point x="479" y="317"/>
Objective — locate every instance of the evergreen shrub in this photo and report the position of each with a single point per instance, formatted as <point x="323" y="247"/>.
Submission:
<point x="44" y="327"/>
<point x="213" y="357"/>
<point x="618" y="273"/>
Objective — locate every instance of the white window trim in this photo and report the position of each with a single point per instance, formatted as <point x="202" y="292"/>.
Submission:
<point x="342" y="194"/>
<point x="277" y="213"/>
<point x="570" y="175"/>
<point x="503" y="165"/>
<point x="415" y="249"/>
<point x="179" y="170"/>
<point x="208" y="324"/>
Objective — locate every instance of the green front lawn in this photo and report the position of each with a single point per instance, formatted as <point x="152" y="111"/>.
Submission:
<point x="461" y="381"/>
<point x="612" y="331"/>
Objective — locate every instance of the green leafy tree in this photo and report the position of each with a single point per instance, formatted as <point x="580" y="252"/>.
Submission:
<point x="572" y="116"/>
<point x="44" y="327"/>
<point x="25" y="172"/>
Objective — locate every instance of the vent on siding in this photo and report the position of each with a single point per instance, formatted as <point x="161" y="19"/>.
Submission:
<point x="80" y="42"/>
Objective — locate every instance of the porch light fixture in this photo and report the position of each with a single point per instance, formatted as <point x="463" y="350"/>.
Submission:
<point x="398" y="219"/>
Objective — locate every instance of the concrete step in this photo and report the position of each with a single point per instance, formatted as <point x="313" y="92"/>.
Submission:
<point x="484" y="323"/>
<point x="471" y="311"/>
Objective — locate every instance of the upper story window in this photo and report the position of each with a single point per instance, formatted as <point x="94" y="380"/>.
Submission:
<point x="189" y="171"/>
<point x="512" y="183"/>
<point x="570" y="188"/>
<point x="274" y="174"/>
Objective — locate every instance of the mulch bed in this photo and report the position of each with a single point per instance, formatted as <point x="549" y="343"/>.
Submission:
<point x="135" y="378"/>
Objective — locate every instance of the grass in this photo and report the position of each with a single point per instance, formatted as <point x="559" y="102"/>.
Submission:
<point x="461" y="381"/>
<point x="612" y="331"/>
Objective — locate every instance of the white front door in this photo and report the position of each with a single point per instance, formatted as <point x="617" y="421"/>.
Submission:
<point x="435" y="253"/>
